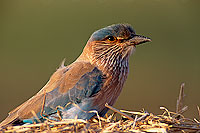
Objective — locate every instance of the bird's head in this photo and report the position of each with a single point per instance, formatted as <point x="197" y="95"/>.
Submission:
<point x="113" y="44"/>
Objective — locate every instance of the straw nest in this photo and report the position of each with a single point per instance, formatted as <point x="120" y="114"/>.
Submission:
<point x="127" y="121"/>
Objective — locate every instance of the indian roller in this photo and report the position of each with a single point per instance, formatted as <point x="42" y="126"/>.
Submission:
<point x="95" y="78"/>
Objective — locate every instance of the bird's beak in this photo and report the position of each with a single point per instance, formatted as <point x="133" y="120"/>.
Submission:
<point x="139" y="39"/>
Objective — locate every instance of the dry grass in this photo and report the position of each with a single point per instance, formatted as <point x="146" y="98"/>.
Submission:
<point x="129" y="121"/>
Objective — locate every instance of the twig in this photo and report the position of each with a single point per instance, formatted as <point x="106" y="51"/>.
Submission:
<point x="135" y="120"/>
<point x="166" y="110"/>
<point x="112" y="126"/>
<point x="34" y="114"/>
<point x="91" y="111"/>
<point x="42" y="111"/>
<point x="43" y="104"/>
<point x="132" y="112"/>
<point x="180" y="100"/>
<point x="110" y="117"/>
<point x="198" y="111"/>
<point x="142" y="117"/>
<point x="116" y="110"/>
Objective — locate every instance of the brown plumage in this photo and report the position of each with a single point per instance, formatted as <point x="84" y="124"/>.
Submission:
<point x="95" y="78"/>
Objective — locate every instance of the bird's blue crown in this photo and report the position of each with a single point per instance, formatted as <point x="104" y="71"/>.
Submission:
<point x="116" y="30"/>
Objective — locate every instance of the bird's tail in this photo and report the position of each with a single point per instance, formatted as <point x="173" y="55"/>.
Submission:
<point x="12" y="118"/>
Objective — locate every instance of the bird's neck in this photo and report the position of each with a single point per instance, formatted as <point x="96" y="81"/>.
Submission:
<point x="117" y="67"/>
<point x="115" y="77"/>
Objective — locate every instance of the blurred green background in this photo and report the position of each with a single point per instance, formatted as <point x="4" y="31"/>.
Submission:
<point x="36" y="35"/>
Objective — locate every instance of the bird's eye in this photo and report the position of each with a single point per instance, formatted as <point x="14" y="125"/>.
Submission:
<point x="111" y="38"/>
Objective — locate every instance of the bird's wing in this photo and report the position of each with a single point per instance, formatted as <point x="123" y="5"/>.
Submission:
<point x="68" y="84"/>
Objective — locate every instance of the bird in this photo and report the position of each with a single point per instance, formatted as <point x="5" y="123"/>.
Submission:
<point x="95" y="78"/>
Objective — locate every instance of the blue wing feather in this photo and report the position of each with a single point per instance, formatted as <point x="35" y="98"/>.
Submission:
<point x="88" y="85"/>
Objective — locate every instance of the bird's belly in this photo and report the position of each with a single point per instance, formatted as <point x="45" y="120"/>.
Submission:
<point x="84" y="110"/>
